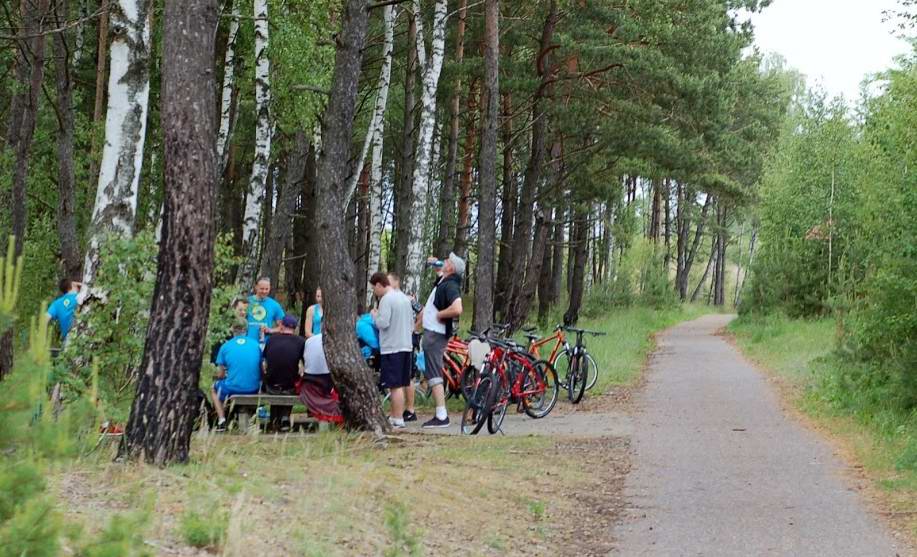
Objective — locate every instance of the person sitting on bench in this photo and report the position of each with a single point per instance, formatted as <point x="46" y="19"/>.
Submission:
<point x="240" y="369"/>
<point x="318" y="392"/>
<point x="283" y="353"/>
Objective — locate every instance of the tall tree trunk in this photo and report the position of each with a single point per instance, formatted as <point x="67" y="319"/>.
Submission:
<point x="523" y="302"/>
<point x="377" y="121"/>
<point x="682" y="280"/>
<point x="34" y="14"/>
<point x="545" y="282"/>
<point x="667" y="224"/>
<point x="522" y="229"/>
<point x="557" y="258"/>
<point x="165" y="406"/>
<point x="740" y="285"/>
<point x="508" y="202"/>
<point x="101" y="80"/>
<point x="430" y="71"/>
<point x="447" y="198"/>
<point x="66" y="187"/>
<point x="703" y="279"/>
<point x="404" y="186"/>
<point x="125" y="129"/>
<point x="282" y="225"/>
<point x="254" y="201"/>
<point x="227" y="111"/>
<point x="312" y="269"/>
<point x="351" y="376"/>
<point x="463" y="218"/>
<point x="719" y="297"/>
<point x="361" y="242"/>
<point x="578" y="243"/>
<point x="487" y="198"/>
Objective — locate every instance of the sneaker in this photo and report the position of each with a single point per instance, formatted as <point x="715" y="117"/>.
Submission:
<point x="394" y="425"/>
<point x="409" y="416"/>
<point x="436" y="422"/>
<point x="221" y="426"/>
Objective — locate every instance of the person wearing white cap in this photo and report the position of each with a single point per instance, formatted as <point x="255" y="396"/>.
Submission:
<point x="442" y="307"/>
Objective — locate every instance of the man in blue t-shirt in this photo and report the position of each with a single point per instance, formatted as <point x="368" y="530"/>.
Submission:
<point x="240" y="369"/>
<point x="264" y="313"/>
<point x="63" y="307"/>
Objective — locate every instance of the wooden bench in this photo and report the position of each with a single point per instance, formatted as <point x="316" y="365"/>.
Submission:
<point x="245" y="407"/>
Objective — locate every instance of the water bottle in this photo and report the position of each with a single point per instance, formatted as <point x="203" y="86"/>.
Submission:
<point x="436" y="264"/>
<point x="262" y="413"/>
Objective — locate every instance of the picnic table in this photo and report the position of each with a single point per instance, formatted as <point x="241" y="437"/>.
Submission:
<point x="245" y="407"/>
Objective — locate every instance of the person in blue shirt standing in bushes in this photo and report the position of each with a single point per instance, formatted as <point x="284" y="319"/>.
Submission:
<point x="264" y="313"/>
<point x="64" y="306"/>
<point x="239" y="360"/>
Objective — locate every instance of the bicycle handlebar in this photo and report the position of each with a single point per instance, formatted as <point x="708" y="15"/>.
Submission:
<point x="585" y="331"/>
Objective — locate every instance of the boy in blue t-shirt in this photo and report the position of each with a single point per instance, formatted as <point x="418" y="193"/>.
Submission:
<point x="64" y="306"/>
<point x="264" y="313"/>
<point x="240" y="369"/>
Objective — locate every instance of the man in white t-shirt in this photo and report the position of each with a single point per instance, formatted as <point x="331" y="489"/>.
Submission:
<point x="442" y="307"/>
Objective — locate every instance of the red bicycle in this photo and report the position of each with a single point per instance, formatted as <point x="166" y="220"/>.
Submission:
<point x="509" y="375"/>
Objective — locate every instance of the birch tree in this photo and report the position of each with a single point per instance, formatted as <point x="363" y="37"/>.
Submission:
<point x="377" y="122"/>
<point x="229" y="83"/>
<point x="430" y="68"/>
<point x="251" y="224"/>
<point x="125" y="129"/>
<point x="375" y="173"/>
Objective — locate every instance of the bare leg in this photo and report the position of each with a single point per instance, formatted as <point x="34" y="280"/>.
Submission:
<point x="217" y="404"/>
<point x="439" y="395"/>
<point x="409" y="397"/>
<point x="397" y="400"/>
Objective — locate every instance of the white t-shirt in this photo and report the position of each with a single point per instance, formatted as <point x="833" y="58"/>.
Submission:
<point x="313" y="356"/>
<point x="430" y="321"/>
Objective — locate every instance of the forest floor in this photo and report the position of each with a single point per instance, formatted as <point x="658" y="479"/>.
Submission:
<point x="551" y="486"/>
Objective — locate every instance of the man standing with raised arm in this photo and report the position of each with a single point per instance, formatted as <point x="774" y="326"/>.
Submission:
<point x="442" y="307"/>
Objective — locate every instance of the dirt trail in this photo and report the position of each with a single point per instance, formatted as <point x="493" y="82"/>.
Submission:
<point x="718" y="469"/>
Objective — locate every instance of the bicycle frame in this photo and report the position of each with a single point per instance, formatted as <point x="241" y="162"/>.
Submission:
<point x="560" y="342"/>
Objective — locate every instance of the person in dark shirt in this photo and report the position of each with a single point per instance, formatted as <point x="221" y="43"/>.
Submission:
<point x="282" y="360"/>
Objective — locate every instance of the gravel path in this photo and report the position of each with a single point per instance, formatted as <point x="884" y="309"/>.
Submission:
<point x="718" y="469"/>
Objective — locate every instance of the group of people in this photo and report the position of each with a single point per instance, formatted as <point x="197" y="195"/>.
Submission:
<point x="264" y="352"/>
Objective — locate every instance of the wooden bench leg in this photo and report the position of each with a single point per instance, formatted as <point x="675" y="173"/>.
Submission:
<point x="243" y="418"/>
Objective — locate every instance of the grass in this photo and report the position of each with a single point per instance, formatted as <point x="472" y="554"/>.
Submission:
<point x="801" y="354"/>
<point x="334" y="493"/>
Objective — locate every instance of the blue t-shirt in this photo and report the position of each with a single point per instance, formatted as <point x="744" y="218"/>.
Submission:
<point x="367" y="335"/>
<point x="62" y="310"/>
<point x="262" y="312"/>
<point x="241" y="356"/>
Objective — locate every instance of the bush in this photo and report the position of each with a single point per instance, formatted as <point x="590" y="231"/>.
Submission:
<point x="203" y="531"/>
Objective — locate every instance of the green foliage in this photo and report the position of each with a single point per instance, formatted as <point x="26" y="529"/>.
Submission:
<point x="110" y="334"/>
<point x="405" y="541"/>
<point x="33" y="435"/>
<point x="203" y="530"/>
<point x="224" y="291"/>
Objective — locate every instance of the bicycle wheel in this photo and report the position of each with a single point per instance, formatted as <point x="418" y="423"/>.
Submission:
<point x="469" y="377"/>
<point x="497" y="402"/>
<point x="546" y="389"/>
<point x="576" y="385"/>
<point x="592" y="370"/>
<point x="476" y="411"/>
<point x="562" y="367"/>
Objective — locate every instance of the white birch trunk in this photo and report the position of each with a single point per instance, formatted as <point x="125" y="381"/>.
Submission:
<point x="78" y="41"/>
<point x="229" y="82"/>
<point x="115" y="206"/>
<point x="251" y="224"/>
<point x="377" y="122"/>
<point x="377" y="134"/>
<point x="431" y="69"/>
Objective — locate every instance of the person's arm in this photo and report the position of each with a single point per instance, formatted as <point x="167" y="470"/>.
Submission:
<point x="451" y="312"/>
<point x="307" y="326"/>
<point x="383" y="317"/>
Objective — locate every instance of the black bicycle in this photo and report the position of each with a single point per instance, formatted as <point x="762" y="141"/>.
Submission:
<point x="577" y="377"/>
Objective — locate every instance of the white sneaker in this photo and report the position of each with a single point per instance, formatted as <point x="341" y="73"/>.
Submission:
<point x="394" y="424"/>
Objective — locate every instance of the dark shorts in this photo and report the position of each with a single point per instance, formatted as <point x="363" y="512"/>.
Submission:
<point x="225" y="391"/>
<point x="395" y="369"/>
<point x="434" y="347"/>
